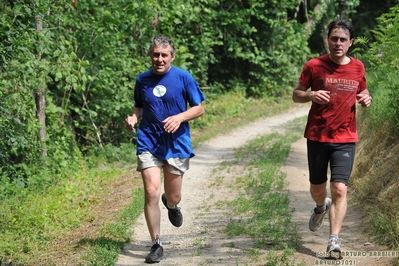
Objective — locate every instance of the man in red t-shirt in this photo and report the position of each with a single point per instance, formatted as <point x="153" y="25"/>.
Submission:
<point x="336" y="83"/>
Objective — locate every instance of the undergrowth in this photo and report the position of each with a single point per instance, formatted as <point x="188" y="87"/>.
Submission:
<point x="375" y="185"/>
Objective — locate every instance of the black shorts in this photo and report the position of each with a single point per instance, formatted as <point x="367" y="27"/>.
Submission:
<point x="339" y="155"/>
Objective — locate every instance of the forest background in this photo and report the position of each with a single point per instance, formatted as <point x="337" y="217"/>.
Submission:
<point x="68" y="69"/>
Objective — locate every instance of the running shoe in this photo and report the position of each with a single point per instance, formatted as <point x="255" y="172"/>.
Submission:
<point x="175" y="215"/>
<point x="316" y="219"/>
<point x="155" y="255"/>
<point x="333" y="249"/>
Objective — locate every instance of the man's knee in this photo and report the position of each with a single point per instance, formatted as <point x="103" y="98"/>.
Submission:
<point x="318" y="189"/>
<point x="338" y="189"/>
<point x="152" y="192"/>
<point x="174" y="198"/>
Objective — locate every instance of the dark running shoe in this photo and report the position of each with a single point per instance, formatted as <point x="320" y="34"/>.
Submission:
<point x="175" y="215"/>
<point x="155" y="255"/>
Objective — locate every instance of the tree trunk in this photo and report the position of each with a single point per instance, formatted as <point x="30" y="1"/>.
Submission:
<point x="41" y="100"/>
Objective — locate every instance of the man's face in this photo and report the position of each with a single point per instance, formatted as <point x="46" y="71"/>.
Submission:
<point x="162" y="59"/>
<point x="339" y="42"/>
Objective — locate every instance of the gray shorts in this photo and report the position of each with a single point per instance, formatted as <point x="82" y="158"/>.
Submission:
<point x="177" y="166"/>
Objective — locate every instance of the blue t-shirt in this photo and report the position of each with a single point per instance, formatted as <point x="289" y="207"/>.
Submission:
<point x="161" y="96"/>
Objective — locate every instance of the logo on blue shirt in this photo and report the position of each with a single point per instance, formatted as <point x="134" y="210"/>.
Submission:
<point x="159" y="91"/>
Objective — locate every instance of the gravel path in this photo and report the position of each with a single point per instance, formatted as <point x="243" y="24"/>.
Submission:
<point x="199" y="240"/>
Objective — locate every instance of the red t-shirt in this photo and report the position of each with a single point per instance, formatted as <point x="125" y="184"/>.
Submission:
<point x="336" y="121"/>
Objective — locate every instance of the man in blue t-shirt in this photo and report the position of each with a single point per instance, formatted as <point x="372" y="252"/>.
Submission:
<point x="161" y="98"/>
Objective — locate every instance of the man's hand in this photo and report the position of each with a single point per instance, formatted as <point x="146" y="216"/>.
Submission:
<point x="320" y="96"/>
<point x="130" y="123"/>
<point x="364" y="99"/>
<point x="172" y="124"/>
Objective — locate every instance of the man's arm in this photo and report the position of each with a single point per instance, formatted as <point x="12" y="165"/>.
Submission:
<point x="132" y="120"/>
<point x="192" y="113"/>
<point x="172" y="123"/>
<point x="301" y="95"/>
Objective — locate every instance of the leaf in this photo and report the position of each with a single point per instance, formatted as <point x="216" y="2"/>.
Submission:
<point x="58" y="76"/>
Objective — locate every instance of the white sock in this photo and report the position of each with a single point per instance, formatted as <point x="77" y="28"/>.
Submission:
<point x="333" y="237"/>
<point x="158" y="241"/>
<point x="171" y="207"/>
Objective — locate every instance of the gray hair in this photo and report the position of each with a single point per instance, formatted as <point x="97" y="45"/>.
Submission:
<point x="163" y="41"/>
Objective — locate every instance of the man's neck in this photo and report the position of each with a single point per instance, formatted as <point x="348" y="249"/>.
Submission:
<point x="340" y="60"/>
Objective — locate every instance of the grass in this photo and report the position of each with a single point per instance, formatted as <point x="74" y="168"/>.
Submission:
<point x="32" y="220"/>
<point x="374" y="181"/>
<point x="105" y="248"/>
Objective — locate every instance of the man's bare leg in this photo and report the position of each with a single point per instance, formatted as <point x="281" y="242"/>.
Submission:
<point x="319" y="193"/>
<point x="338" y="206"/>
<point x="172" y="186"/>
<point x="152" y="191"/>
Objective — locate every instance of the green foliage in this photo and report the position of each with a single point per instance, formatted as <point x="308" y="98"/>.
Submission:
<point x="28" y="59"/>
<point x="18" y="128"/>
<point x="86" y="55"/>
<point x="126" y="153"/>
<point x="382" y="65"/>
<point x="112" y="36"/>
<point x="366" y="16"/>
<point x="258" y="47"/>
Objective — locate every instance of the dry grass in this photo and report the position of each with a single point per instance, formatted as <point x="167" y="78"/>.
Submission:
<point x="375" y="182"/>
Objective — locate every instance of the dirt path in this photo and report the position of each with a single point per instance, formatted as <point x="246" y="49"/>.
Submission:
<point x="354" y="241"/>
<point x="199" y="240"/>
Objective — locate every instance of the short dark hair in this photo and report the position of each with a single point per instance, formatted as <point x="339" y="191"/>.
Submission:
<point x="342" y="24"/>
<point x="163" y="41"/>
